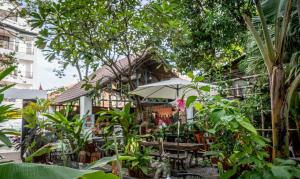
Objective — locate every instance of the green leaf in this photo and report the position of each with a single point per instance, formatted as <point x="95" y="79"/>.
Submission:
<point x="10" y="132"/>
<point x="227" y="118"/>
<point x="229" y="173"/>
<point x="6" y="88"/>
<point x="199" y="79"/>
<point x="126" y="108"/>
<point x="98" y="175"/>
<point x="280" y="172"/>
<point x="41" y="151"/>
<point x="190" y="100"/>
<point x="212" y="131"/>
<point x="144" y="169"/>
<point x="295" y="172"/>
<point x="205" y="88"/>
<point x="212" y="153"/>
<point x="267" y="174"/>
<point x="134" y="163"/>
<point x="252" y="174"/>
<point x="1" y="97"/>
<point x="278" y="161"/>
<point x="260" y="140"/>
<point x="39" y="171"/>
<point x="249" y="160"/>
<point x="105" y="160"/>
<point x="5" y="140"/>
<point x="6" y="72"/>
<point x="190" y="74"/>
<point x="198" y="106"/>
<point x="217" y="113"/>
<point x="247" y="125"/>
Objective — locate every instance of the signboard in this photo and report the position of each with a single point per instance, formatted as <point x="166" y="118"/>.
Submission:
<point x="89" y="122"/>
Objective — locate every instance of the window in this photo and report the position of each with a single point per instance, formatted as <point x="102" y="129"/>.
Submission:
<point x="17" y="44"/>
<point x="4" y="42"/>
<point x="29" y="45"/>
<point x="29" y="48"/>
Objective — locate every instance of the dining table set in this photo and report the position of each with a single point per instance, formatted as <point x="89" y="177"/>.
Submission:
<point x="180" y="153"/>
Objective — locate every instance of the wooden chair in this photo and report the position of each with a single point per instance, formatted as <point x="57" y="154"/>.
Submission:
<point x="180" y="160"/>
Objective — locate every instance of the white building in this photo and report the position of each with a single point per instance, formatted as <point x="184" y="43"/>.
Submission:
<point x="17" y="36"/>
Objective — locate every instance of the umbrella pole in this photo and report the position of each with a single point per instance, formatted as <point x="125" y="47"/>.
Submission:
<point x="178" y="128"/>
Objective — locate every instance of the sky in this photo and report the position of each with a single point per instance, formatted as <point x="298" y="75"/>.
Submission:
<point x="48" y="78"/>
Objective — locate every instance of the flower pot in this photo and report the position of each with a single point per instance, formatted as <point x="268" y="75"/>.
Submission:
<point x="95" y="156"/>
<point x="114" y="167"/>
<point x="199" y="136"/>
<point x="83" y="157"/>
<point x="137" y="173"/>
<point x="214" y="160"/>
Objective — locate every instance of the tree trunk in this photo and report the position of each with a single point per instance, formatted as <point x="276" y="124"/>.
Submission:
<point x="279" y="125"/>
<point x="78" y="71"/>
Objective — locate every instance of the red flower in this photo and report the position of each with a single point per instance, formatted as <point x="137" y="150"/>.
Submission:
<point x="180" y="104"/>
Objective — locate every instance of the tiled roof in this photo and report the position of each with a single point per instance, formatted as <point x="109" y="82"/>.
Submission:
<point x="104" y="74"/>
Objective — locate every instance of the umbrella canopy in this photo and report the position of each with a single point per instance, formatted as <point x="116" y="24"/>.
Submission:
<point x="169" y="89"/>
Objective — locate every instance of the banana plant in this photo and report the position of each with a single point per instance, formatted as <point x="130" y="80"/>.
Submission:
<point x="7" y="112"/>
<point x="125" y="118"/>
<point x="139" y="160"/>
<point x="69" y="130"/>
<point x="273" y="31"/>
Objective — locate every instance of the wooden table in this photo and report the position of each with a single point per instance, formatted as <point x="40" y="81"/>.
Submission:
<point x="193" y="148"/>
<point x="174" y="145"/>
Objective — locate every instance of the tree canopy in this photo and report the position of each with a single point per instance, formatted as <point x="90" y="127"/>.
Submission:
<point x="217" y="33"/>
<point x="86" y="34"/>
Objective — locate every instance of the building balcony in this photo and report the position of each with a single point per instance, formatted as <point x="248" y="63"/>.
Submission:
<point x="23" y="53"/>
<point x="20" y="78"/>
<point x="11" y="46"/>
<point x="22" y="74"/>
<point x="28" y="75"/>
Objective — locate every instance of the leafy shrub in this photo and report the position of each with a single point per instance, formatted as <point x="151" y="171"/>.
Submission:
<point x="6" y="111"/>
<point x="240" y="150"/>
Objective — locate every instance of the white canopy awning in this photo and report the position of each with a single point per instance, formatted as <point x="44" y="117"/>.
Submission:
<point x="14" y="93"/>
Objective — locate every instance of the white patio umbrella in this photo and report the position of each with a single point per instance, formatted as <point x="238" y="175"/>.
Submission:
<point x="169" y="89"/>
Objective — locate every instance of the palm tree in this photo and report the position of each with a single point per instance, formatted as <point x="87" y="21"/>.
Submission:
<point x="276" y="22"/>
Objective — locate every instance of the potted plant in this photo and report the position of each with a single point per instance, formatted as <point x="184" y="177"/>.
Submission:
<point x="139" y="165"/>
<point x="139" y="161"/>
<point x="198" y="132"/>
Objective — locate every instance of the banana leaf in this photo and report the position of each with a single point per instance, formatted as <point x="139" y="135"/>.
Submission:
<point x="44" y="150"/>
<point x="105" y="160"/>
<point x="40" y="171"/>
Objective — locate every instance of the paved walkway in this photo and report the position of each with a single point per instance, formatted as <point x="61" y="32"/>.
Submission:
<point x="14" y="156"/>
